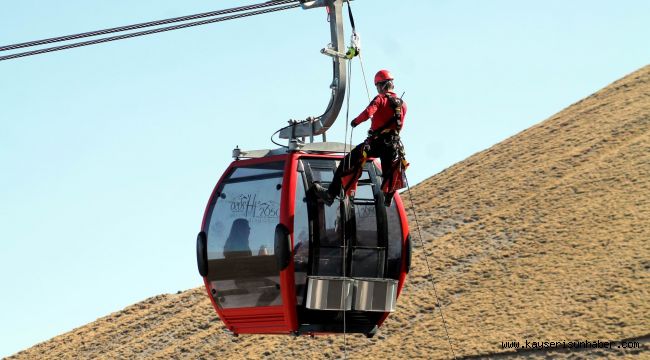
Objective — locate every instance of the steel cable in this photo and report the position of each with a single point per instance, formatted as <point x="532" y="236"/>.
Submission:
<point x="143" y="25"/>
<point x="146" y="32"/>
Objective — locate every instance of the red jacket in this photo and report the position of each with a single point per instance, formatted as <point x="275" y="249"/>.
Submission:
<point x="381" y="112"/>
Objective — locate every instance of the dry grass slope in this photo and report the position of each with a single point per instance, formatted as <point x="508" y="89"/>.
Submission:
<point x="544" y="236"/>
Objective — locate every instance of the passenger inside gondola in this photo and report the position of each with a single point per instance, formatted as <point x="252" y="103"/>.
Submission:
<point x="237" y="242"/>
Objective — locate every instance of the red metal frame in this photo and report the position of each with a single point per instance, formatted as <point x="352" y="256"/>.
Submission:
<point x="282" y="319"/>
<point x="287" y="212"/>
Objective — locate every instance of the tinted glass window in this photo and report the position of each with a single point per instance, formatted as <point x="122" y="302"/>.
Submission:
<point x="330" y="261"/>
<point x="366" y="218"/>
<point x="394" y="241"/>
<point x="330" y="233"/>
<point x="330" y="242"/>
<point x="369" y="250"/>
<point x="367" y="262"/>
<point x="327" y="228"/>
<point x="242" y="267"/>
<point x="263" y="170"/>
<point x="323" y="174"/>
<point x="364" y="192"/>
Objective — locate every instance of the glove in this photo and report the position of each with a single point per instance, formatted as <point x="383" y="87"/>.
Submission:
<point x="353" y="124"/>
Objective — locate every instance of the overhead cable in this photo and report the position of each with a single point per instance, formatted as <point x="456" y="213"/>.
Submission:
<point x="147" y="32"/>
<point x="143" y="25"/>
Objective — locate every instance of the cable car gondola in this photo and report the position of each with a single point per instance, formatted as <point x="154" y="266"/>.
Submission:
<point x="275" y="259"/>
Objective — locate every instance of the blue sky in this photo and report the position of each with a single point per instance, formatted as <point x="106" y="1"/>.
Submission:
<point x="108" y="153"/>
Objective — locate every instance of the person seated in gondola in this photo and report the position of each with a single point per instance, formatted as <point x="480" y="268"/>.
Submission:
<point x="237" y="241"/>
<point x="387" y="112"/>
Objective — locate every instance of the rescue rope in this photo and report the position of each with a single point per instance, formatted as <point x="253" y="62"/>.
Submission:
<point x="426" y="259"/>
<point x="365" y="81"/>
<point x="345" y="248"/>
<point x="345" y="251"/>
<point x="347" y="117"/>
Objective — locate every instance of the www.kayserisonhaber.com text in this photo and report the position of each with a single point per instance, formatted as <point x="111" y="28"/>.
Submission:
<point x="584" y="344"/>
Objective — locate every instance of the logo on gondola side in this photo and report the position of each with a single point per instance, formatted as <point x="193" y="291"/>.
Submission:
<point x="248" y="206"/>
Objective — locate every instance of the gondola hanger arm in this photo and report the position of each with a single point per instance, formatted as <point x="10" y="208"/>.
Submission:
<point x="318" y="125"/>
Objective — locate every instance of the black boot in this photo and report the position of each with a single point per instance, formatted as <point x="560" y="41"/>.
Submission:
<point x="388" y="199"/>
<point x="323" y="194"/>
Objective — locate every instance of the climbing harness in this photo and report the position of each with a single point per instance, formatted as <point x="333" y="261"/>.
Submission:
<point x="395" y="179"/>
<point x="396" y="103"/>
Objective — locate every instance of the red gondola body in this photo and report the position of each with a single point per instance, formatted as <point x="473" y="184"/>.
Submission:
<point x="247" y="292"/>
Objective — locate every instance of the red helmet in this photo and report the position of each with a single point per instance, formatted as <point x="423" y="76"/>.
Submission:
<point x="383" y="75"/>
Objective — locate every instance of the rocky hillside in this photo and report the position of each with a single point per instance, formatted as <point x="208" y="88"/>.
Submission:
<point x="543" y="237"/>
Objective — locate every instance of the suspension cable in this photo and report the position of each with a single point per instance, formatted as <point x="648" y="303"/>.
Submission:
<point x="147" y="32"/>
<point x="345" y="282"/>
<point x="347" y="155"/>
<point x="347" y="118"/>
<point x="143" y="25"/>
<point x="426" y="259"/>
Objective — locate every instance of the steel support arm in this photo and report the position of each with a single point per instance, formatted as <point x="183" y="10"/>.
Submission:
<point x="319" y="125"/>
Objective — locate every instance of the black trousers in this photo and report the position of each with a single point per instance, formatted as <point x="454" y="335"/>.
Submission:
<point x="351" y="167"/>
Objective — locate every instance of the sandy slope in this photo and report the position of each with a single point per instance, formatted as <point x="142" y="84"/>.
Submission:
<point x="543" y="237"/>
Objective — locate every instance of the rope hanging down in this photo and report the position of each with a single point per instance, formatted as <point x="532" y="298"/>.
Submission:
<point x="345" y="244"/>
<point x="355" y="48"/>
<point x="426" y="259"/>
<point x="146" y="32"/>
<point x="347" y="118"/>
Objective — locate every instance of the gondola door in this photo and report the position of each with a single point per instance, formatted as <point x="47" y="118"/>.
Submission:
<point x="327" y="222"/>
<point x="357" y="220"/>
<point x="345" y="244"/>
<point x="326" y="287"/>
